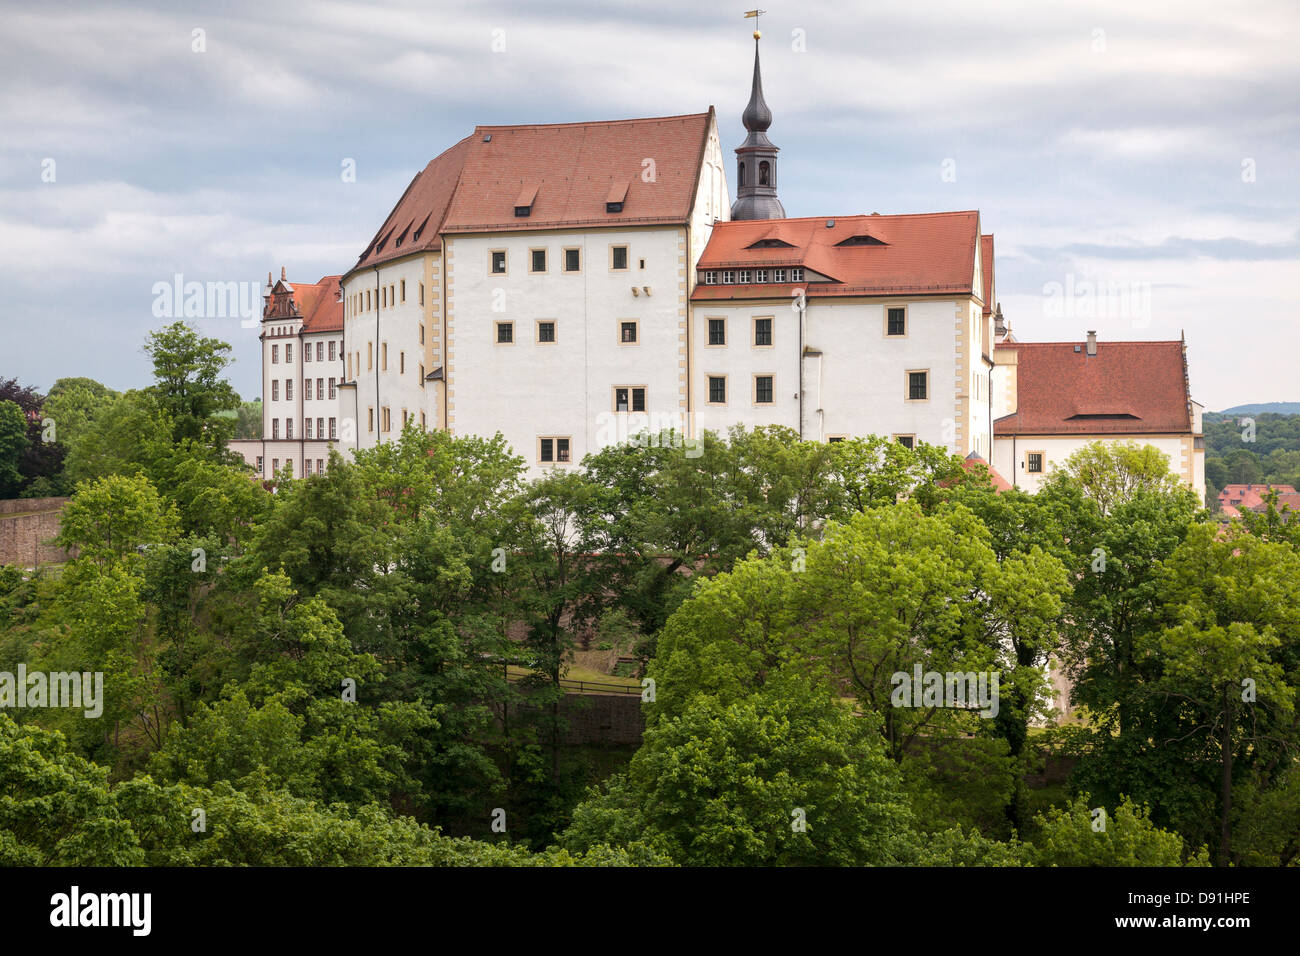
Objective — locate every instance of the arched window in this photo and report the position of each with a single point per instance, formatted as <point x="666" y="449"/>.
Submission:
<point x="740" y="179"/>
<point x="763" y="173"/>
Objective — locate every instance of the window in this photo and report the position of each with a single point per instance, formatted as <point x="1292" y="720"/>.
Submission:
<point x="275" y="354"/>
<point x="537" y="260"/>
<point x="421" y="333"/>
<point x="387" y="419"/>
<point x="629" y="398"/>
<point x="918" y="386"/>
<point x="383" y="356"/>
<point x="744" y="276"/>
<point x="306" y="389"/>
<point x="545" y="330"/>
<point x="498" y="262"/>
<point x="306" y="428"/>
<point x="288" y="390"/>
<point x="320" y="351"/>
<point x="627" y="332"/>
<point x="320" y="388"/>
<point x="421" y="375"/>
<point x="320" y="428"/>
<point x="717" y="331"/>
<point x="711" y="277"/>
<point x="796" y="274"/>
<point x="907" y="441"/>
<point x="275" y="465"/>
<point x="306" y="463"/>
<point x="288" y="428"/>
<point x="717" y="389"/>
<point x="422" y="424"/>
<point x="401" y="363"/>
<point x="764" y="173"/>
<point x="760" y="275"/>
<point x="762" y="331"/>
<point x="552" y="449"/>
<point x="332" y="389"/>
<point x="421" y="293"/>
<point x="778" y="275"/>
<point x="288" y="353"/>
<point x="275" y="389"/>
<point x="896" y="320"/>
<point x="320" y="466"/>
<point x="1034" y="462"/>
<point x="275" y="428"/>
<point x="259" y="464"/>
<point x="370" y="418"/>
<point x="728" y="276"/>
<point x="763" y="390"/>
<point x="370" y="356"/>
<point x="572" y="260"/>
<point x="832" y="439"/>
<point x="618" y="258"/>
<point x="334" y="429"/>
<point x="402" y="286"/>
<point x="306" y="352"/>
<point x="505" y="333"/>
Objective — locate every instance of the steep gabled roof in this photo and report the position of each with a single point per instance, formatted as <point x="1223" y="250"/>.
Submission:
<point x="325" y="311"/>
<point x="568" y="172"/>
<point x="926" y="254"/>
<point x="1126" y="388"/>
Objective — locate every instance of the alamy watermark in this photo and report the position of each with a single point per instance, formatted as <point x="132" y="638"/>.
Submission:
<point x="970" y="690"/>
<point x="83" y="690"/>
<point x="179" y="299"/>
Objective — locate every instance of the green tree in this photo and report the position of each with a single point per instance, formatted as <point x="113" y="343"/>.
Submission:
<point x="13" y="444"/>
<point x="1076" y="835"/>
<point x="109" y="518"/>
<point x="1112" y="473"/>
<point x="189" y="386"/>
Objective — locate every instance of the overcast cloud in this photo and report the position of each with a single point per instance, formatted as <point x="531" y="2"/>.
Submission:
<point x="1139" y="145"/>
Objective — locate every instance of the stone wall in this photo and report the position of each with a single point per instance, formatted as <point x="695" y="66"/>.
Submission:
<point x="26" y="527"/>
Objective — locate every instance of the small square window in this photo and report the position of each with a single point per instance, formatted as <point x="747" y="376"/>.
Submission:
<point x="553" y="449"/>
<point x="717" y="390"/>
<point x="1034" y="462"/>
<point x="918" y="386"/>
<point x="618" y="258"/>
<point x="717" y="331"/>
<point x="498" y="261"/>
<point x="896" y="321"/>
<point x="538" y="260"/>
<point x="546" y="331"/>
<point x="763" y="390"/>
<point x="627" y="333"/>
<point x="505" y="333"/>
<point x="907" y="441"/>
<point x="572" y="260"/>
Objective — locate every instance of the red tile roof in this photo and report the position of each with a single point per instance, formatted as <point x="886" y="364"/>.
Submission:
<point x="325" y="311"/>
<point x="1136" y="388"/>
<point x="930" y="253"/>
<point x="1251" y="497"/>
<point x="975" y="462"/>
<point x="569" y="169"/>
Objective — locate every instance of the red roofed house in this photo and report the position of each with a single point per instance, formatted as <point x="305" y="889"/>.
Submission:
<point x="1055" y="397"/>
<point x="302" y="367"/>
<point x="1234" y="498"/>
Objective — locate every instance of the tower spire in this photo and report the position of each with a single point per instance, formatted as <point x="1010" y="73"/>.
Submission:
<point x="756" y="157"/>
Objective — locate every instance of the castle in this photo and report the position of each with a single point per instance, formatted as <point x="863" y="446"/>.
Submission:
<point x="569" y="285"/>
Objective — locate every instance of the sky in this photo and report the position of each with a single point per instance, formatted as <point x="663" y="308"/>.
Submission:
<point x="1137" y="162"/>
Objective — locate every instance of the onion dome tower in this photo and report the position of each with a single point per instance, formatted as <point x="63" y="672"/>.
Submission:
<point x="756" y="157"/>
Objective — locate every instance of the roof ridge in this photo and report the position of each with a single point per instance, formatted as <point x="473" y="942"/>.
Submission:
<point x="855" y="215"/>
<point x="615" y="122"/>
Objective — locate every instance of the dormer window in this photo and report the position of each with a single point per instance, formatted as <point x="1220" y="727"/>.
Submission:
<point x="796" y="275"/>
<point x="778" y="275"/>
<point x="711" y="277"/>
<point x="615" y="198"/>
<point x="770" y="244"/>
<point x="861" y="241"/>
<point x="524" y="201"/>
<point x="728" y="276"/>
<point x="744" y="276"/>
<point x="760" y="275"/>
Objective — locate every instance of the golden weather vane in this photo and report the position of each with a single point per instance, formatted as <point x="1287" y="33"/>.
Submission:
<point x="755" y="14"/>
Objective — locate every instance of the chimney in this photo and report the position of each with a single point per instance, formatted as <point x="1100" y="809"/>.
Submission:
<point x="1092" y="342"/>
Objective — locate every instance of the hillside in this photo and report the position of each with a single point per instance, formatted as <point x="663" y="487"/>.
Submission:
<point x="1260" y="408"/>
